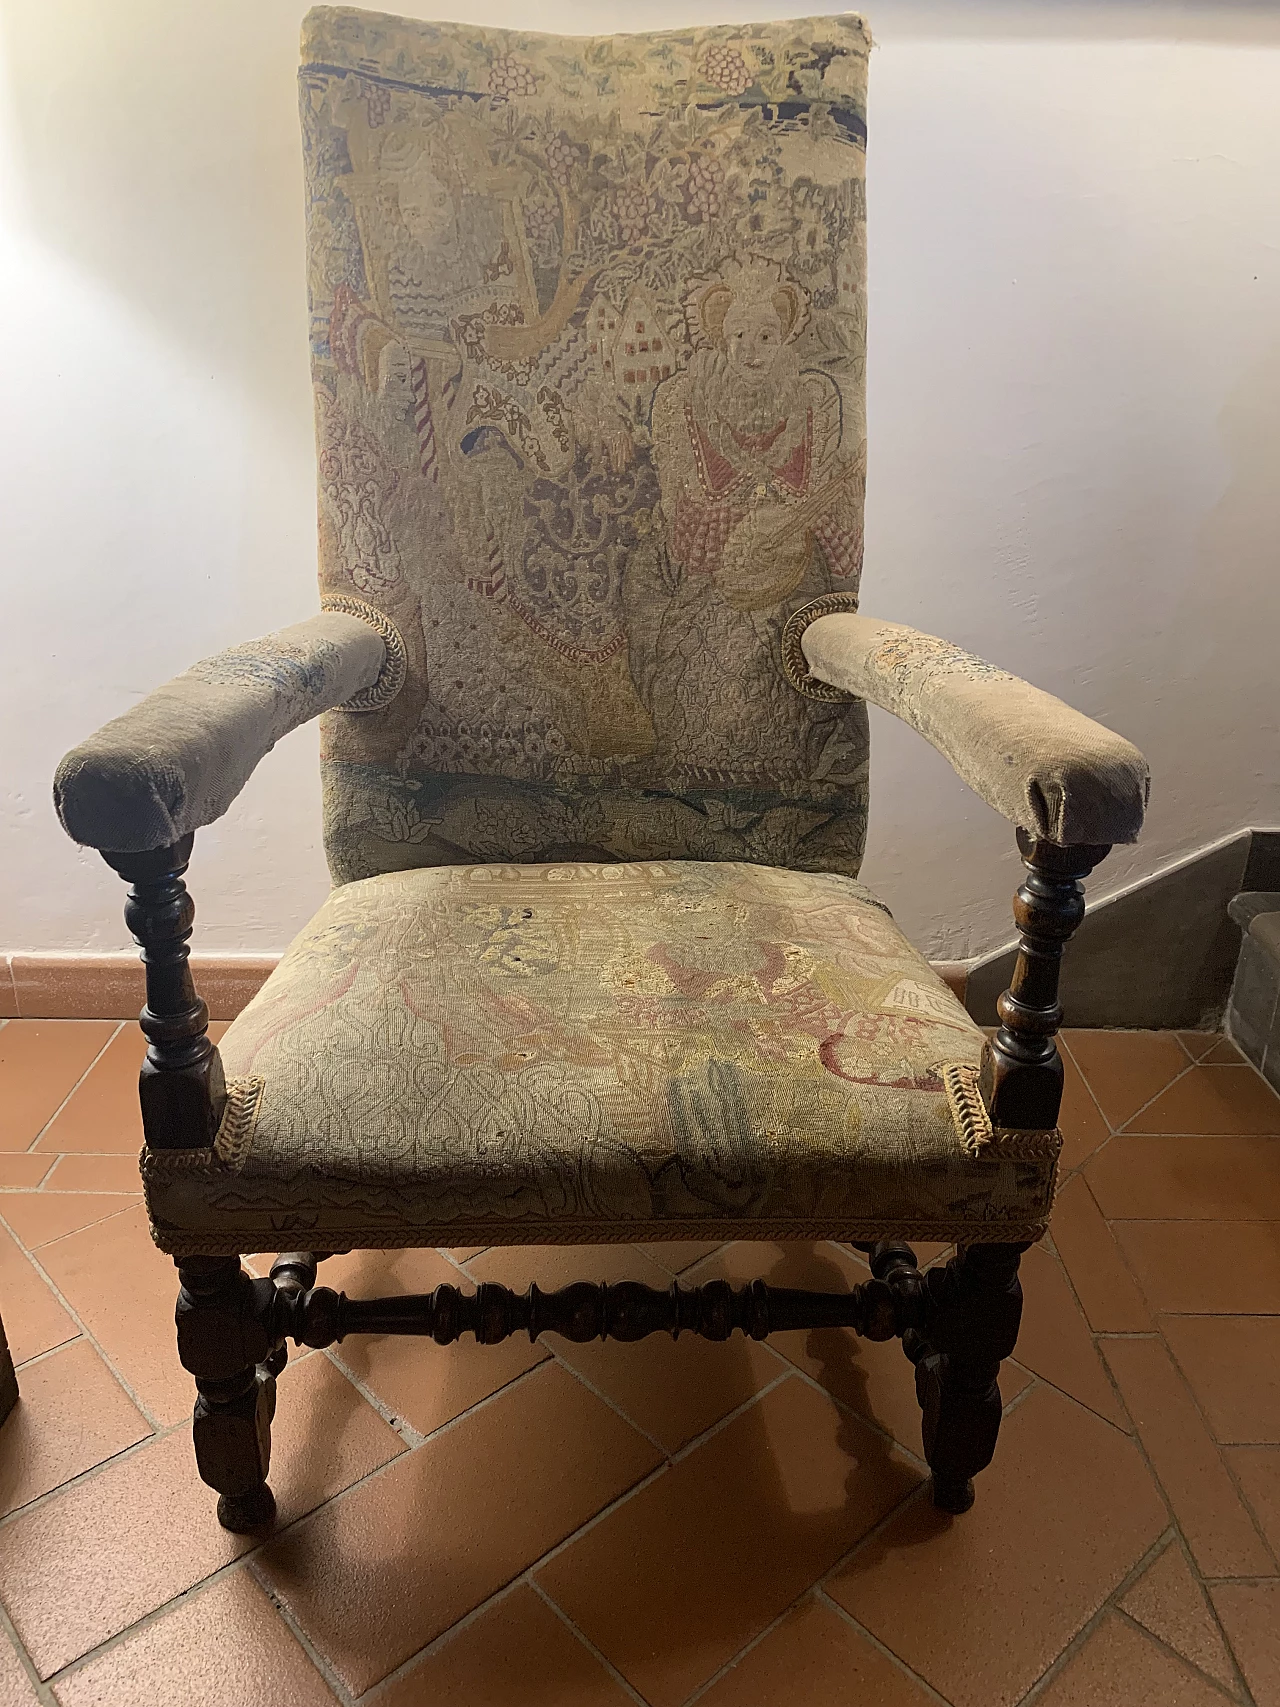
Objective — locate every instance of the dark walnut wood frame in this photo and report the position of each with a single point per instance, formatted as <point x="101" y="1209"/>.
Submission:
<point x="957" y="1322"/>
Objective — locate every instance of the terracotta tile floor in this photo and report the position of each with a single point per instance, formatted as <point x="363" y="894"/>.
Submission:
<point x="740" y="1525"/>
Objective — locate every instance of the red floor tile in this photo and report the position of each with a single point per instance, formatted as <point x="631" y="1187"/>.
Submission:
<point x="124" y="1290"/>
<point x="670" y="1389"/>
<point x="1102" y="1279"/>
<point x="1126" y="1069"/>
<point x="41" y="1061"/>
<point x="1229" y="1178"/>
<point x="815" y="1658"/>
<point x="1229" y="1268"/>
<point x="22" y="1170"/>
<point x="980" y="1606"/>
<point x="102" y="1114"/>
<point x="672" y="1583"/>
<point x="1216" y="1523"/>
<point x="1257" y="1470"/>
<point x="38" y="1217"/>
<point x="1232" y="1364"/>
<point x="228" y="1631"/>
<point x="104" y="1552"/>
<point x="1054" y="1341"/>
<point x="1168" y="1601"/>
<point x="424" y="1384"/>
<point x="16" y="1687"/>
<point x="1118" y="1666"/>
<point x="1212" y="1100"/>
<point x="95" y="1173"/>
<point x="452" y="1522"/>
<point x="34" y="1320"/>
<point x="72" y="1414"/>
<point x="518" y="1651"/>
<point x="1250" y="1614"/>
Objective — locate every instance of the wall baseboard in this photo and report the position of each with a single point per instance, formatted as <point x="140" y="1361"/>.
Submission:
<point x="110" y="986"/>
<point x="1158" y="956"/>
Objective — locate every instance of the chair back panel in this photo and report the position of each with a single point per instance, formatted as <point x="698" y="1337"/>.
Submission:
<point x="588" y="328"/>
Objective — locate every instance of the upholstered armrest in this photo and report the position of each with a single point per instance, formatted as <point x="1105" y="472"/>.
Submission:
<point x="1041" y="764"/>
<point x="178" y="758"/>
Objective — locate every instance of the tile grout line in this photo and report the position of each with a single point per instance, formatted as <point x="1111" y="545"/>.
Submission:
<point x="1217" y="1446"/>
<point x="333" y="1679"/>
<point x="119" y="1027"/>
<point x="88" y="1475"/>
<point x="604" y="1398"/>
<point x="1242" y="1688"/>
<point x="75" y="1317"/>
<point x="158" y="1613"/>
<point x="504" y="1592"/>
<point x="1174" y="1519"/>
<point x="623" y="1683"/>
<point x="1058" y="1665"/>
<point x="405" y="1430"/>
<point x="901" y="1665"/>
<point x="662" y="1468"/>
<point x="1097" y="1349"/>
<point x="71" y="1232"/>
<point x="43" y="1691"/>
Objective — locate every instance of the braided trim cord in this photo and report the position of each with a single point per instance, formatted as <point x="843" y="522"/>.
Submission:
<point x="973" y="1122"/>
<point x="231" y="1144"/>
<point x="395" y="666"/>
<point x="795" y="666"/>
<point x="238" y="1241"/>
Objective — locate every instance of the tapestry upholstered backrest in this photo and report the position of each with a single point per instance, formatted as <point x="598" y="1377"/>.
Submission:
<point x="588" y="329"/>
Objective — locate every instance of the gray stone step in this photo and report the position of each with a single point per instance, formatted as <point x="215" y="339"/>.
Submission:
<point x="1253" y="1013"/>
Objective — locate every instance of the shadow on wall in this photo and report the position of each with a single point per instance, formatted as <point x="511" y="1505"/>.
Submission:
<point x="155" y="147"/>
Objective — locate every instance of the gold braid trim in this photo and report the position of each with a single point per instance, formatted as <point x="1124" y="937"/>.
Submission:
<point x="231" y="1145"/>
<point x="395" y="666"/>
<point x="973" y="1122"/>
<point x="795" y="666"/>
<point x="305" y="1227"/>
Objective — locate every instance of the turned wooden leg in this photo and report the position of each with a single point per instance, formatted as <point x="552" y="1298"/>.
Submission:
<point x="224" y="1341"/>
<point x="973" y="1307"/>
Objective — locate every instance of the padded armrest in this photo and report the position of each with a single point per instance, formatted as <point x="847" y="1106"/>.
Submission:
<point x="178" y="758"/>
<point x="1041" y="764"/>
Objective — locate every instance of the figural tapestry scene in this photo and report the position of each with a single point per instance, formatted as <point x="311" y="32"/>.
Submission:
<point x="588" y="332"/>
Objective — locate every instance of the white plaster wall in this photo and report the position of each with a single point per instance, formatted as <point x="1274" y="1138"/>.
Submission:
<point x="1074" y="403"/>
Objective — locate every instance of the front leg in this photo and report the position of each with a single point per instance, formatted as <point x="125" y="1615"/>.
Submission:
<point x="223" y="1337"/>
<point x="972" y="1311"/>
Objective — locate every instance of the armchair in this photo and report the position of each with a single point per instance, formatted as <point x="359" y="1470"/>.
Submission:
<point x="587" y="344"/>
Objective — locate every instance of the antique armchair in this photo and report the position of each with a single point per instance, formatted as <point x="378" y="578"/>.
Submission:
<point x="588" y="330"/>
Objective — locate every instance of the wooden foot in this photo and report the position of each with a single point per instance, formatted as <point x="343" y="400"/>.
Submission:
<point x="973" y="1308"/>
<point x="244" y="1514"/>
<point x="224" y="1342"/>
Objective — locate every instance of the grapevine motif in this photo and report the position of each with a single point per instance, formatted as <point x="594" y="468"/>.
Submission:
<point x="725" y="68"/>
<point x="702" y="179"/>
<point x="509" y="76"/>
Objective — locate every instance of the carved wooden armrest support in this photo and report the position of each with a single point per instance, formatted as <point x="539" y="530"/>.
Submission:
<point x="182" y="1087"/>
<point x="1021" y="1078"/>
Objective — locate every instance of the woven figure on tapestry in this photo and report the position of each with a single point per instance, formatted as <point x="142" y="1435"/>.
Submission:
<point x="588" y="333"/>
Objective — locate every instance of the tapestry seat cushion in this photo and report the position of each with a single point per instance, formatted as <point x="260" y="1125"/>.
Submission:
<point x="564" y="1053"/>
